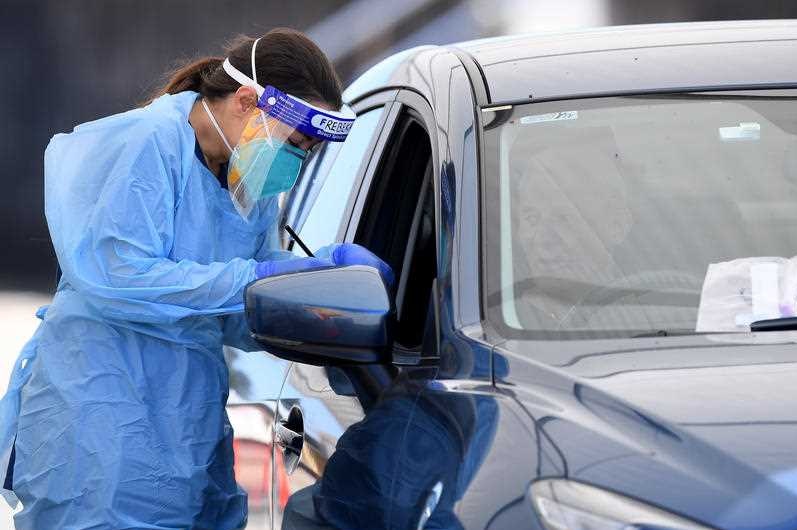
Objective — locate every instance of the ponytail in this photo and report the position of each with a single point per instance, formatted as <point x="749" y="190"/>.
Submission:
<point x="190" y="76"/>
<point x="286" y="59"/>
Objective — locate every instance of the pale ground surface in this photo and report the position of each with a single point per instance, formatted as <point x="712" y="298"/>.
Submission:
<point x="17" y="323"/>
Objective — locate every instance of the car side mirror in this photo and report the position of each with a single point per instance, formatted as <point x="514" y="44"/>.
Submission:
<point x="330" y="316"/>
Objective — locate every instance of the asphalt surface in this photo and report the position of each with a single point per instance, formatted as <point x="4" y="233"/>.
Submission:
<point x="16" y="326"/>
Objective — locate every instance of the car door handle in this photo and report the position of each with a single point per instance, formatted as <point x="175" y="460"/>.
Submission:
<point x="288" y="439"/>
<point x="289" y="434"/>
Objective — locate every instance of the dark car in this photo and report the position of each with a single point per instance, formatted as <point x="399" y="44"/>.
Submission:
<point x="552" y="206"/>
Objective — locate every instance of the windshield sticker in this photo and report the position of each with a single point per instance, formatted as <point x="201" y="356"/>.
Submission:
<point x="553" y="116"/>
<point x="739" y="292"/>
<point x="746" y="131"/>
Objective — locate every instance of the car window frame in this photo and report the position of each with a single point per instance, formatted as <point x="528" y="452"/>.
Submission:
<point x="383" y="100"/>
<point x="406" y="101"/>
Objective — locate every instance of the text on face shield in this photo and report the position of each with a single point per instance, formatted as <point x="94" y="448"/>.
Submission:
<point x="329" y="125"/>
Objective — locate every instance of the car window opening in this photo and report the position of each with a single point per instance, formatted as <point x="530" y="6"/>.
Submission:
<point x="398" y="225"/>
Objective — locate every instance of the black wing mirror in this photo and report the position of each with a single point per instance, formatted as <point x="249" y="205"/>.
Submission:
<point x="330" y="316"/>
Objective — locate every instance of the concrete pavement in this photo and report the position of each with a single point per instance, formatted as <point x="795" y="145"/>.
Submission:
<point x="17" y="323"/>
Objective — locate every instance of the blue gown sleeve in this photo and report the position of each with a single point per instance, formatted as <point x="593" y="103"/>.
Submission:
<point x="271" y="248"/>
<point x="236" y="329"/>
<point x="116" y="250"/>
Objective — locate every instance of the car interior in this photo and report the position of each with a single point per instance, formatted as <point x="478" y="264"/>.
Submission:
<point x="398" y="225"/>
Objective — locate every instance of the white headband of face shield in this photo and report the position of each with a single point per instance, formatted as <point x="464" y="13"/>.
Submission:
<point x="241" y="77"/>
<point x="245" y="80"/>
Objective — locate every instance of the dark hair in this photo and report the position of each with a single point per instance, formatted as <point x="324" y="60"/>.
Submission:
<point x="285" y="58"/>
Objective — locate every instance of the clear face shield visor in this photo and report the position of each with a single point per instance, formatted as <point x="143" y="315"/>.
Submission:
<point x="279" y="139"/>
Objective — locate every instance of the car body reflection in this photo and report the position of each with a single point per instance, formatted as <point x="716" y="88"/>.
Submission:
<point x="410" y="458"/>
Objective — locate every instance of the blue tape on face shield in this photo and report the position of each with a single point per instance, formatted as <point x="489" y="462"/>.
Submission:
<point x="267" y="160"/>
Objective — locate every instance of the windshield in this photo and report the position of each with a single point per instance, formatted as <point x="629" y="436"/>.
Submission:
<point x="605" y="214"/>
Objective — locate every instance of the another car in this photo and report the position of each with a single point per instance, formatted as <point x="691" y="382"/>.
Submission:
<point x="550" y="205"/>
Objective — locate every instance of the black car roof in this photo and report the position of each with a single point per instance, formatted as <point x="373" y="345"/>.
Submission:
<point x="637" y="59"/>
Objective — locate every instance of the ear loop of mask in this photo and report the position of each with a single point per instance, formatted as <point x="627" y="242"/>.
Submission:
<point x="216" y="125"/>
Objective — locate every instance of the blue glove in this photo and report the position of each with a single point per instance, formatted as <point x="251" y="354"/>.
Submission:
<point x="264" y="269"/>
<point x="352" y="254"/>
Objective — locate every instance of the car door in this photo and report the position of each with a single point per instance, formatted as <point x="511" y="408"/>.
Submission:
<point x="316" y="404"/>
<point x="337" y="426"/>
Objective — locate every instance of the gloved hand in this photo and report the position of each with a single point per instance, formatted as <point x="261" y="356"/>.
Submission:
<point x="264" y="269"/>
<point x="353" y="254"/>
<point x="338" y="254"/>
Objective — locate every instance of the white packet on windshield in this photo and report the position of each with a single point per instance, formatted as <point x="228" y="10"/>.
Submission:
<point x="736" y="293"/>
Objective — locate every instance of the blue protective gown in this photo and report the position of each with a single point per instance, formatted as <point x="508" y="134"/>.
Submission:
<point x="117" y="403"/>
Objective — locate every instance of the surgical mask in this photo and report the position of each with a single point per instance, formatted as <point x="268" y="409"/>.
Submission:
<point x="261" y="165"/>
<point x="261" y="168"/>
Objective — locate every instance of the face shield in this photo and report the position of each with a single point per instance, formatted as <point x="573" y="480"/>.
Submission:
<point x="278" y="141"/>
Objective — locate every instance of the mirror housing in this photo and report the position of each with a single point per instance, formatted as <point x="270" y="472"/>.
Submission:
<point x="329" y="316"/>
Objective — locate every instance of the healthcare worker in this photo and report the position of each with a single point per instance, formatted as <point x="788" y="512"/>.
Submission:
<point x="160" y="216"/>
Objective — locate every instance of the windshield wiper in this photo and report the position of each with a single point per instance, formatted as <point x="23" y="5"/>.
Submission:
<point x="775" y="324"/>
<point x="772" y="324"/>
